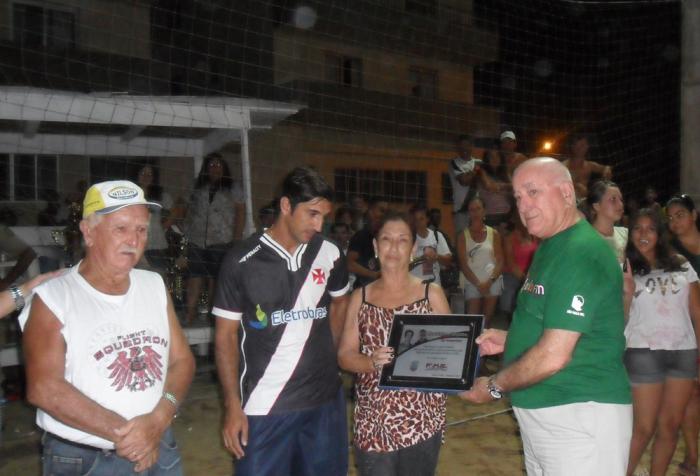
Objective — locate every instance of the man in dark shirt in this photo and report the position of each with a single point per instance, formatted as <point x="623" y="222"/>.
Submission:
<point x="361" y="259"/>
<point x="280" y="307"/>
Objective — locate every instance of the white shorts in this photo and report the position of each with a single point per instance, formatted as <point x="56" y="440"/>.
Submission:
<point x="471" y="291"/>
<point x="579" y="439"/>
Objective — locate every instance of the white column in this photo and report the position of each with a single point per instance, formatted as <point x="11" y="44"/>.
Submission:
<point x="197" y="160"/>
<point x="690" y="99"/>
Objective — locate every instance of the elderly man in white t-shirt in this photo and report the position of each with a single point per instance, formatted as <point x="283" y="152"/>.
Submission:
<point x="107" y="362"/>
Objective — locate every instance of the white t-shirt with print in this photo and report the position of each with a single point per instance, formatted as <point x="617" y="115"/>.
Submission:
<point x="426" y="270"/>
<point x="659" y="315"/>
<point x="117" y="347"/>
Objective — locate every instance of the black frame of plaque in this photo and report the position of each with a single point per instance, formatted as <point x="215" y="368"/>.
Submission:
<point x="470" y="366"/>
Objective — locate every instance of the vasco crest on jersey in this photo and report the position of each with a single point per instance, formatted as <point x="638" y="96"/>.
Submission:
<point x="318" y="275"/>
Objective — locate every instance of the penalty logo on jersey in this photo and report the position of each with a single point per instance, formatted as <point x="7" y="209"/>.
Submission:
<point x="261" y="317"/>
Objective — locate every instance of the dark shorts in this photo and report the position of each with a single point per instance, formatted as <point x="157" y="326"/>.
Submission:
<point x="417" y="460"/>
<point x="158" y="259"/>
<point x="205" y="262"/>
<point x="311" y="442"/>
<point x="65" y="458"/>
<point x="655" y="366"/>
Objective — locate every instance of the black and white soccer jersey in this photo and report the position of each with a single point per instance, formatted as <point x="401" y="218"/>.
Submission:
<point x="288" y="360"/>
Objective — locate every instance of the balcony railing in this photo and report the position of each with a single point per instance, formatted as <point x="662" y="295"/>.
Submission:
<point x="81" y="70"/>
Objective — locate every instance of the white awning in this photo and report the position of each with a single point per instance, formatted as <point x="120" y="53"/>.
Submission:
<point x="44" y="121"/>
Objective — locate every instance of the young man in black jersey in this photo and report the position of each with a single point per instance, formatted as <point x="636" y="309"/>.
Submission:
<point x="280" y="307"/>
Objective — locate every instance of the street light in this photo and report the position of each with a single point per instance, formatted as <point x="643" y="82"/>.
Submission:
<point x="547" y="145"/>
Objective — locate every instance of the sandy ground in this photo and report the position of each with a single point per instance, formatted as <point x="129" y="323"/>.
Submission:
<point x="486" y="446"/>
<point x="480" y="440"/>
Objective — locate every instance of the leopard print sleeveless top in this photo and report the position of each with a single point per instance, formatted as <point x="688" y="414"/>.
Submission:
<point x="388" y="420"/>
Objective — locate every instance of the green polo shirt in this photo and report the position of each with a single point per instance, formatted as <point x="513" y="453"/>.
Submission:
<point x="574" y="283"/>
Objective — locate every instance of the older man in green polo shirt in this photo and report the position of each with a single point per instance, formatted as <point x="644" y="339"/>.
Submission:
<point x="563" y="354"/>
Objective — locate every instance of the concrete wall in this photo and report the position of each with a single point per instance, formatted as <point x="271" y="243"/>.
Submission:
<point x="275" y="152"/>
<point x="690" y="100"/>
<point x="118" y="27"/>
<point x="300" y="55"/>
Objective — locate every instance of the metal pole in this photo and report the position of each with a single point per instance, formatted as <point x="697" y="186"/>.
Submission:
<point x="247" y="188"/>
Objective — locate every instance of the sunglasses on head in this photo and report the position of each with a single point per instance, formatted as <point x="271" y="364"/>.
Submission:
<point x="684" y="199"/>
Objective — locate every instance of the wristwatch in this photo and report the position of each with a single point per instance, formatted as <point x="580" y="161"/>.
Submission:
<point x="18" y="297"/>
<point x="494" y="390"/>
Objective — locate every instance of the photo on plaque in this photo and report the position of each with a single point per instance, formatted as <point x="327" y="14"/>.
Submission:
<point x="433" y="352"/>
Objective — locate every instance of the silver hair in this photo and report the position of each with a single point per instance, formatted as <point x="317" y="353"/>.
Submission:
<point x="92" y="220"/>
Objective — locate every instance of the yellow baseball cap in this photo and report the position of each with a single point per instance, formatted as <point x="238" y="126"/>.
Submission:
<point x="107" y="197"/>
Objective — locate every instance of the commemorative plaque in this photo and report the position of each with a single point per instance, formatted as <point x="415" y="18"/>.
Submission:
<point x="433" y="352"/>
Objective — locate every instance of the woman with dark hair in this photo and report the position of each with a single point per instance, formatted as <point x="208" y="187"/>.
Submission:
<point x="662" y="301"/>
<point x="682" y="221"/>
<point x="480" y="258"/>
<point x="397" y="432"/>
<point x="147" y="176"/>
<point x="215" y="217"/>
<point x="605" y="208"/>
<point x="495" y="190"/>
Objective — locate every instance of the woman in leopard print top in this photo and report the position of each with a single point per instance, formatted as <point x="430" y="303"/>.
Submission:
<point x="396" y="432"/>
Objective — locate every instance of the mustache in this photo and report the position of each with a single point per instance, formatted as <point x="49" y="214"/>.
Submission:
<point x="128" y="249"/>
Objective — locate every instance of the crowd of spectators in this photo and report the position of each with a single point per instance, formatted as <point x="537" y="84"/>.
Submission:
<point x="657" y="247"/>
<point x="485" y="262"/>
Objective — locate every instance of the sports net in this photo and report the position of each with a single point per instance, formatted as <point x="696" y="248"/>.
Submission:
<point x="370" y="92"/>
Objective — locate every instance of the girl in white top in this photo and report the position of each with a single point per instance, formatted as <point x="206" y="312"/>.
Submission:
<point x="606" y="208"/>
<point x="662" y="299"/>
<point x="481" y="261"/>
<point x="430" y="244"/>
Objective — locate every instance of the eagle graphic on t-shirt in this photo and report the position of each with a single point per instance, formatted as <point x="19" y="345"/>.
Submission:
<point x="136" y="369"/>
